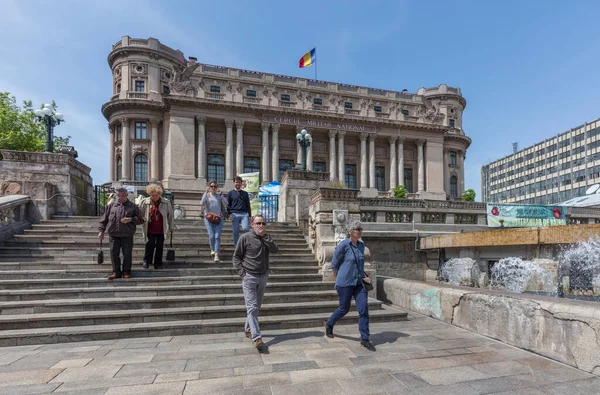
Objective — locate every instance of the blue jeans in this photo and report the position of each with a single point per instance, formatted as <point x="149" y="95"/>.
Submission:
<point x="360" y="296"/>
<point x="237" y="218"/>
<point x="214" y="234"/>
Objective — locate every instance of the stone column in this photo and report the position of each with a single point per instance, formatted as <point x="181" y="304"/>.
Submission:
<point x="363" y="161"/>
<point x="275" y="152"/>
<point x="229" y="152"/>
<point x="201" y="121"/>
<point x="393" y="166"/>
<point x="154" y="149"/>
<point x="372" y="138"/>
<point x="126" y="169"/>
<point x="111" y="151"/>
<point x="332" y="160"/>
<point x="341" y="165"/>
<point x="239" y="147"/>
<point x="401" y="160"/>
<point x="309" y="154"/>
<point x="265" y="153"/>
<point x="421" y="164"/>
<point x="461" y="172"/>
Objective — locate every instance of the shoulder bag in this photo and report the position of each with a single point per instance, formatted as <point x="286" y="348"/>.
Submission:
<point x="100" y="254"/>
<point x="213" y="218"/>
<point x="366" y="281"/>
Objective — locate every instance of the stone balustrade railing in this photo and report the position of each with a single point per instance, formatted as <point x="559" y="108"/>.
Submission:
<point x="13" y="215"/>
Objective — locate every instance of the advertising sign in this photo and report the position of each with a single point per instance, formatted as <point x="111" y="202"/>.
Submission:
<point x="524" y="216"/>
<point x="250" y="184"/>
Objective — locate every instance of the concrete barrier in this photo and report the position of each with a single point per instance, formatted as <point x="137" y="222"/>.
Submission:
<point x="565" y="330"/>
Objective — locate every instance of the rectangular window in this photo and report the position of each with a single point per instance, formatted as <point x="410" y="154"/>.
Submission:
<point x="285" y="97"/>
<point x="347" y="104"/>
<point x="215" y="89"/>
<point x="216" y="168"/>
<point x="140" y="86"/>
<point x="404" y="112"/>
<point x="377" y="108"/>
<point x="284" y="165"/>
<point x="251" y="93"/>
<point x="350" y="176"/>
<point x="166" y="90"/>
<point x="140" y="130"/>
<point x="380" y="178"/>
<point x="451" y="123"/>
<point x="318" y="101"/>
<point x="453" y="158"/>
<point x="119" y="135"/>
<point x="408" y="180"/>
<point x="319" y="166"/>
<point x="251" y="164"/>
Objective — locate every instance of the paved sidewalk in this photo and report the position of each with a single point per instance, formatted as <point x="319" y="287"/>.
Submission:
<point x="420" y="356"/>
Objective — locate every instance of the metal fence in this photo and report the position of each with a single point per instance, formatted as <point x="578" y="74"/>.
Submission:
<point x="103" y="194"/>
<point x="268" y="207"/>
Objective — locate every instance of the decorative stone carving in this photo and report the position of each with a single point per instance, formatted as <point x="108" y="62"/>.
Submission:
<point x="264" y="126"/>
<point x="139" y="69"/>
<point x="332" y="133"/>
<point x="229" y="123"/>
<point x="182" y="83"/>
<point x="275" y="127"/>
<point x="119" y="150"/>
<point x="239" y="124"/>
<point x="125" y="122"/>
<point x="140" y="149"/>
<point x="154" y="121"/>
<point x="363" y="136"/>
<point x="165" y="75"/>
<point x="201" y="120"/>
<point x="430" y="111"/>
<point x="117" y="71"/>
<point x="392" y="139"/>
<point x="6" y="216"/>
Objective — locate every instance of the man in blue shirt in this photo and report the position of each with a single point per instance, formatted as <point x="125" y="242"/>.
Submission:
<point x="238" y="205"/>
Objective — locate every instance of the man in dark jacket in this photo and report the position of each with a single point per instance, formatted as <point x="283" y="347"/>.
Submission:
<point x="238" y="206"/>
<point x="119" y="221"/>
<point x="251" y="260"/>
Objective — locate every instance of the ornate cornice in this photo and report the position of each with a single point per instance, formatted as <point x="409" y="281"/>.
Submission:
<point x="113" y="106"/>
<point x="151" y="53"/>
<point x="464" y="140"/>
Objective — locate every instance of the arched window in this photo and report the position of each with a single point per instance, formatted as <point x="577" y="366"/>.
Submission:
<point x="140" y="168"/>
<point x="119" y="168"/>
<point x="453" y="187"/>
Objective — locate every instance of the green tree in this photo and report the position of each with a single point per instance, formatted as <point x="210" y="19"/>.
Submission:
<point x="20" y="130"/>
<point x="400" y="192"/>
<point x="468" y="195"/>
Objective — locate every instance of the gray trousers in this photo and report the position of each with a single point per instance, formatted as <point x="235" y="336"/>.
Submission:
<point x="254" y="290"/>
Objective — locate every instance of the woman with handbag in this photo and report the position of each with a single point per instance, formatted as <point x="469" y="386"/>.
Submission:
<point x="158" y="215"/>
<point x="214" y="213"/>
<point x="348" y="265"/>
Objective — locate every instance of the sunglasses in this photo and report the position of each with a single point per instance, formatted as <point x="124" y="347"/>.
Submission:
<point x="359" y="229"/>
<point x="213" y="186"/>
<point x="260" y="223"/>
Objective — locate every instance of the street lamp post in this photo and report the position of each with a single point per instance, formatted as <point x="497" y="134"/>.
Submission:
<point x="304" y="140"/>
<point x="51" y="118"/>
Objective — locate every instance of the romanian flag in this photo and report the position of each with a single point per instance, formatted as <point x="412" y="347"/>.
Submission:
<point x="308" y="59"/>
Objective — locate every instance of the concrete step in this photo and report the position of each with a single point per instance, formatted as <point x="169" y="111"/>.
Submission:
<point x="102" y="271"/>
<point x="183" y="229"/>
<point x="170" y="328"/>
<point x="76" y="249"/>
<point x="153" y="290"/>
<point x="52" y="239"/>
<point x="156" y="302"/>
<point x="93" y="282"/>
<point x="48" y="320"/>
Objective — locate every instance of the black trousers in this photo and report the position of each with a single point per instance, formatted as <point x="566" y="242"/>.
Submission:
<point x="118" y="244"/>
<point x="154" y="246"/>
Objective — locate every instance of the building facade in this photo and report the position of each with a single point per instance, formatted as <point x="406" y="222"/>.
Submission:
<point x="177" y="121"/>
<point x="550" y="172"/>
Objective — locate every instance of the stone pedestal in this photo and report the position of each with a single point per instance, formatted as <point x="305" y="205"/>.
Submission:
<point x="296" y="188"/>
<point x="368" y="192"/>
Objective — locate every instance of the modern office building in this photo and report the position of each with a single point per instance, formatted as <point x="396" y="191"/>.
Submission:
<point x="181" y="122"/>
<point x="550" y="172"/>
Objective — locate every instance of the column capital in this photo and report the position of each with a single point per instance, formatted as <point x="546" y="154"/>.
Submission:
<point x="275" y="127"/>
<point x="372" y="137"/>
<point x="401" y="139"/>
<point x="363" y="136"/>
<point x="421" y="142"/>
<point x="229" y="123"/>
<point x="341" y="133"/>
<point x="200" y="120"/>
<point x="154" y="121"/>
<point x="392" y="139"/>
<point x="265" y="126"/>
<point x="239" y="124"/>
<point x="124" y="122"/>
<point x="447" y="150"/>
<point x="332" y="133"/>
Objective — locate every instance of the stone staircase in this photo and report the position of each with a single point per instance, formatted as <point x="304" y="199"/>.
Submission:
<point x="52" y="290"/>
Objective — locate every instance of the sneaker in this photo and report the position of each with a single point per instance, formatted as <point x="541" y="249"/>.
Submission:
<point x="248" y="335"/>
<point x="145" y="265"/>
<point x="367" y="344"/>
<point x="113" y="276"/>
<point x="329" y="331"/>
<point x="217" y="257"/>
<point x="258" y="343"/>
<point x="212" y="254"/>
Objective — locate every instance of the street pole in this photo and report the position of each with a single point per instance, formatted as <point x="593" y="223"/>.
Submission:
<point x="49" y="135"/>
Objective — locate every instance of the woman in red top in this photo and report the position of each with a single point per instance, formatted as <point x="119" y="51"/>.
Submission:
<point x="159" y="222"/>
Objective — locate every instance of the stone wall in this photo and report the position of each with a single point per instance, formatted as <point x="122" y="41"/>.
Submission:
<point x="567" y="331"/>
<point x="295" y="196"/>
<point x="397" y="257"/>
<point x="56" y="183"/>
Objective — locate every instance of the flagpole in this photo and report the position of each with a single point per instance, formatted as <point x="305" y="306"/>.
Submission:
<point x="316" y="79"/>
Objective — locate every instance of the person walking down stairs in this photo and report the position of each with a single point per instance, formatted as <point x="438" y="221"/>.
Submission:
<point x="158" y="222"/>
<point x="119" y="221"/>
<point x="215" y="212"/>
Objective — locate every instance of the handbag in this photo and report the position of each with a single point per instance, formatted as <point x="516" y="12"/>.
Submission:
<point x="170" y="250"/>
<point x="366" y="281"/>
<point x="213" y="218"/>
<point x="100" y="253"/>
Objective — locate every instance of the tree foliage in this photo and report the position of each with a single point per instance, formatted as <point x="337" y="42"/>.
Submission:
<point x="20" y="130"/>
<point x="468" y="195"/>
<point x="400" y="192"/>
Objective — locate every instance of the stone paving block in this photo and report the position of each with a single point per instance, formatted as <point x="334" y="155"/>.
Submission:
<point x="29" y="389"/>
<point x="330" y="387"/>
<point x="194" y="355"/>
<point x="449" y="344"/>
<point x="455" y="360"/>
<point x="363" y="360"/>
<point x="148" y="389"/>
<point x="505" y="368"/>
<point x="410" y="380"/>
<point x="87" y="373"/>
<point x="372" y="384"/>
<point x="121" y="360"/>
<point x="209" y="347"/>
<point x="536" y="363"/>
<point x="214" y="385"/>
<point x="507" y="383"/>
<point x="452" y="389"/>
<point x="564" y="373"/>
<point x="179" y="376"/>
<point x="216" y="373"/>
<point x="142" y="345"/>
<point x="249" y="391"/>
<point x="285" y="357"/>
<point x="323" y="374"/>
<point x="330" y="363"/>
<point x="7" y="359"/>
<point x="334" y="353"/>
<point x="266" y="379"/>
<point x="301" y="365"/>
<point x="224" y="362"/>
<point x="381" y="368"/>
<point x="89" y="391"/>
<point x="86" y="385"/>
<point x="258" y="369"/>
<point x="72" y="363"/>
<point x="27" y="377"/>
<point x="294" y="347"/>
<point x="148" y="368"/>
<point x="451" y="375"/>
<point x="524" y="391"/>
<point x="140" y="351"/>
<point x="28" y="363"/>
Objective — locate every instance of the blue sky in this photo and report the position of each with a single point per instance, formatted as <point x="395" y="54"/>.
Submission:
<point x="528" y="69"/>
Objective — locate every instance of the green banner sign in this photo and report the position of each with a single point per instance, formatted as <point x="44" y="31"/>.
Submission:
<point x="524" y="216"/>
<point x="250" y="184"/>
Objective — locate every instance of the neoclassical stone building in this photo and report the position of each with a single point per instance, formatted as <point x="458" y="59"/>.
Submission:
<point x="181" y="122"/>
